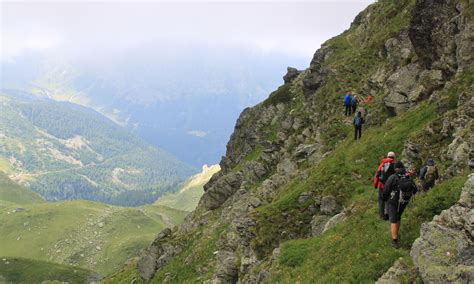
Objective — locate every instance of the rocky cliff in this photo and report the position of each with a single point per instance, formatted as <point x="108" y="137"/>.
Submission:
<point x="292" y="201"/>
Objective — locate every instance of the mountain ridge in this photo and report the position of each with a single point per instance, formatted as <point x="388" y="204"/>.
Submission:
<point x="293" y="184"/>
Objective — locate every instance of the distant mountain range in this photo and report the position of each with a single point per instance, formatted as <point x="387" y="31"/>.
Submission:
<point x="66" y="151"/>
<point x="183" y="99"/>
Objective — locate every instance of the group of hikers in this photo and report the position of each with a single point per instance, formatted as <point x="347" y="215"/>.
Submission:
<point x="396" y="187"/>
<point x="395" y="184"/>
<point x="350" y="105"/>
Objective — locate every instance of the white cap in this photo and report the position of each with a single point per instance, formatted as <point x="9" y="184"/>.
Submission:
<point x="391" y="155"/>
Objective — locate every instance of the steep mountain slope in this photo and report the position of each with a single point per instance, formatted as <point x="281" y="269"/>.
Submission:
<point x="65" y="151"/>
<point x="86" y="234"/>
<point x="187" y="197"/>
<point x="293" y="199"/>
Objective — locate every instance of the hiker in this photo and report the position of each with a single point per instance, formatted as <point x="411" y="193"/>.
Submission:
<point x="347" y="104"/>
<point x="368" y="99"/>
<point x="428" y="175"/>
<point x="358" y="121"/>
<point x="384" y="171"/>
<point x="398" y="191"/>
<point x="354" y="103"/>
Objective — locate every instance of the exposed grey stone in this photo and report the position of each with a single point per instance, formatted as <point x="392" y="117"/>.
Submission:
<point x="291" y="74"/>
<point x="218" y="192"/>
<point x="330" y="206"/>
<point x="394" y="274"/>
<point x="317" y="224"/>
<point x="226" y="267"/>
<point x="336" y="219"/>
<point x="444" y="252"/>
<point x="304" y="196"/>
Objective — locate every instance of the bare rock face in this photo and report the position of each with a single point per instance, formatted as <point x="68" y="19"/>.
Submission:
<point x="219" y="191"/>
<point x="444" y="252"/>
<point x="291" y="75"/>
<point x="394" y="273"/>
<point x="156" y="256"/>
<point x="431" y="24"/>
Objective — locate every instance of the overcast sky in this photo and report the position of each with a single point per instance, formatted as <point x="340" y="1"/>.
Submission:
<point x="78" y="27"/>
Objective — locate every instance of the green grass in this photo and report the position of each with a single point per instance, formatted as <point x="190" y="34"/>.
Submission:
<point x="21" y="270"/>
<point x="345" y="173"/>
<point x="87" y="234"/>
<point x="188" y="195"/>
<point x="12" y="192"/>
<point x="196" y="263"/>
<point x="358" y="250"/>
<point x="282" y="95"/>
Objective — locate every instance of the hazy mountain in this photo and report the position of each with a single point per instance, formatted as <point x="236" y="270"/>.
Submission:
<point x="188" y="195"/>
<point x="182" y="98"/>
<point x="66" y="151"/>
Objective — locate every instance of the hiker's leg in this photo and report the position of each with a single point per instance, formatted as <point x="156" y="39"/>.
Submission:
<point x="394" y="230"/>
<point x="381" y="206"/>
<point x="355" y="132"/>
<point x="360" y="131"/>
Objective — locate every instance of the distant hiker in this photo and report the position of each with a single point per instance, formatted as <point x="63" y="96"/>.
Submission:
<point x="348" y="104"/>
<point x="384" y="171"/>
<point x="428" y="175"/>
<point x="354" y="103"/>
<point x="398" y="191"/>
<point x="358" y="121"/>
<point x="368" y="99"/>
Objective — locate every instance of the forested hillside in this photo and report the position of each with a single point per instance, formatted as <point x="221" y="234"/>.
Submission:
<point x="65" y="151"/>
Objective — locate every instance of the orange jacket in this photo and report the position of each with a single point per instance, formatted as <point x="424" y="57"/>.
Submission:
<point x="377" y="182"/>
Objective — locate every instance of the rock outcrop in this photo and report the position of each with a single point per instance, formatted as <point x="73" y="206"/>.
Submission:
<point x="444" y="252"/>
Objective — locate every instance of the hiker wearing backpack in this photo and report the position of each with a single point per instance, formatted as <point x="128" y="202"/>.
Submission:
<point x="384" y="171"/>
<point x="428" y="175"/>
<point x="347" y="104"/>
<point x="354" y="103"/>
<point x="358" y="121"/>
<point x="398" y="191"/>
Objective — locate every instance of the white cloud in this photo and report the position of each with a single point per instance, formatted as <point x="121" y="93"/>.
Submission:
<point x="198" y="133"/>
<point x="89" y="26"/>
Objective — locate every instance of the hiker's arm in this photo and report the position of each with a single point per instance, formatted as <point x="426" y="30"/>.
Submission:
<point x="422" y="173"/>
<point x="387" y="189"/>
<point x="376" y="179"/>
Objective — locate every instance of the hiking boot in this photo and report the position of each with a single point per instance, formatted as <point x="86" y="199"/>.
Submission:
<point x="396" y="243"/>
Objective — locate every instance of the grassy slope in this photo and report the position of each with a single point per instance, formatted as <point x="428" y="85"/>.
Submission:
<point x="34" y="271"/>
<point x="357" y="250"/>
<point x="70" y="232"/>
<point x="189" y="194"/>
<point x="12" y="192"/>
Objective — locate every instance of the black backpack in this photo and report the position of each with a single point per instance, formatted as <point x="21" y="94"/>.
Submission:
<point x="405" y="188"/>
<point x="387" y="170"/>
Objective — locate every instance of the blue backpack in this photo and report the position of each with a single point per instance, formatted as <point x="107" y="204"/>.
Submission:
<point x="357" y="121"/>
<point x="347" y="100"/>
